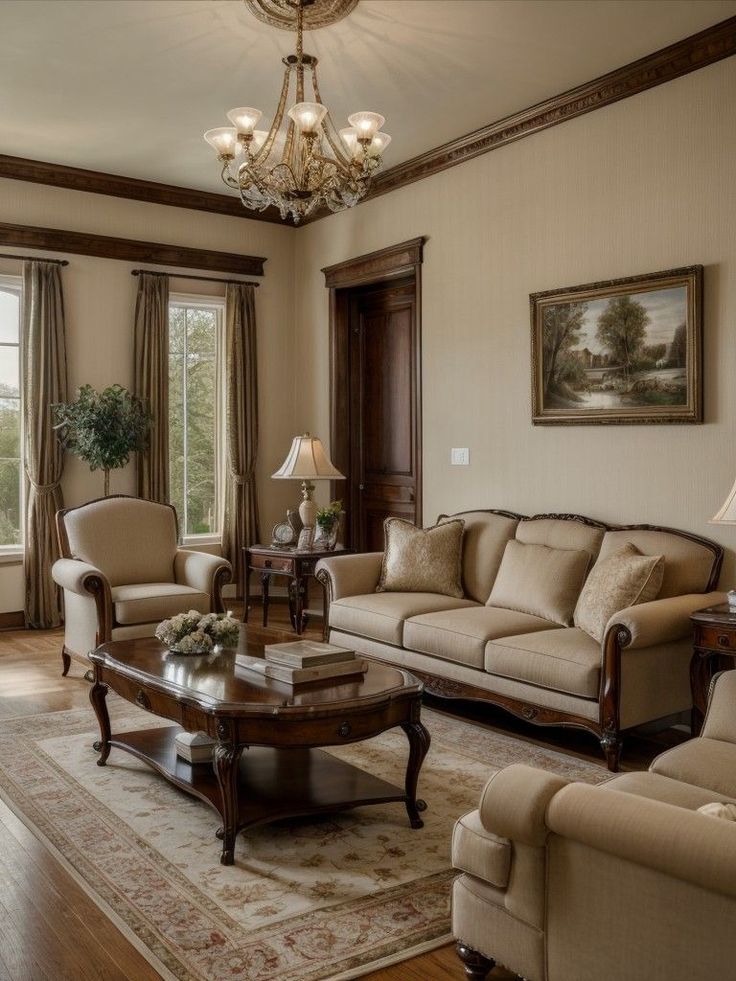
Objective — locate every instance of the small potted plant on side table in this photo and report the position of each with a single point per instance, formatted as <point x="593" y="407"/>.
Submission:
<point x="328" y="524"/>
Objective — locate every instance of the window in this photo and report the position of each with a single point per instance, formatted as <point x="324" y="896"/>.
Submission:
<point x="196" y="413"/>
<point x="11" y="470"/>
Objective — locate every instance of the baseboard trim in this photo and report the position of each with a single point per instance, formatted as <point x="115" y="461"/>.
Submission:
<point x="15" y="620"/>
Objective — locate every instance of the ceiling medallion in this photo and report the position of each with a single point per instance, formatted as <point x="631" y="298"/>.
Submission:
<point x="318" y="13"/>
<point x="307" y="164"/>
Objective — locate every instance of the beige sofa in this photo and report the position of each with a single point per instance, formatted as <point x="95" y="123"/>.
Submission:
<point x="122" y="572"/>
<point x="543" y="671"/>
<point x="569" y="882"/>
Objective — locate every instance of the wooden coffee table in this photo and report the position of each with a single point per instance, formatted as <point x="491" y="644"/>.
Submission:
<point x="282" y="773"/>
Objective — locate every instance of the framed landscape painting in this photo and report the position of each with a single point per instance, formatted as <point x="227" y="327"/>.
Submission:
<point x="623" y="351"/>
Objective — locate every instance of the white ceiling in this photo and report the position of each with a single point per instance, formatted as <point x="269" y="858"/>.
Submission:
<point x="128" y="86"/>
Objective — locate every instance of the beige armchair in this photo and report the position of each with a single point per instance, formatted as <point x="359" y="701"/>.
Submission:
<point x="626" y="880"/>
<point x="122" y="572"/>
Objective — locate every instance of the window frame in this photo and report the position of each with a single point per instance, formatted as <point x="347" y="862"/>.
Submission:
<point x="203" y="301"/>
<point x="13" y="553"/>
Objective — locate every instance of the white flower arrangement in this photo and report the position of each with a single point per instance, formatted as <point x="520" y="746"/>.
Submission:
<point x="198" y="633"/>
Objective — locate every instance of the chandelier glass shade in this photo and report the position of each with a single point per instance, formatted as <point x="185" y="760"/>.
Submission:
<point x="301" y="164"/>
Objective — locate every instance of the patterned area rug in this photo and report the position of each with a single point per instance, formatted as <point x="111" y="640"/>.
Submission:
<point x="307" y="900"/>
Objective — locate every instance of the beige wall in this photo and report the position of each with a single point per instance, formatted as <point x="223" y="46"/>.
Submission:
<point x="644" y="185"/>
<point x="99" y="297"/>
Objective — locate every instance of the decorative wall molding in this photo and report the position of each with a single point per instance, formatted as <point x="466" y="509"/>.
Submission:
<point x="96" y="182"/>
<point x="688" y="55"/>
<point x="388" y="263"/>
<point x="130" y="250"/>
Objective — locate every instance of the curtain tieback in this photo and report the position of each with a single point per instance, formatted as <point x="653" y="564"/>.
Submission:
<point x="240" y="480"/>
<point x="44" y="488"/>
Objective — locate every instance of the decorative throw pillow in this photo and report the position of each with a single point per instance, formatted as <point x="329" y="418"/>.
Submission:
<point x="626" y="578"/>
<point x="422" y="560"/>
<point x="727" y="812"/>
<point x="539" y="580"/>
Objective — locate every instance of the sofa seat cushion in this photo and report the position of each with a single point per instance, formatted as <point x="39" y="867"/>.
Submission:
<point x="479" y="852"/>
<point x="562" y="659"/>
<point x="462" y="635"/>
<point x="148" y="601"/>
<point x="703" y="762"/>
<point x="381" y="616"/>
<point x="665" y="789"/>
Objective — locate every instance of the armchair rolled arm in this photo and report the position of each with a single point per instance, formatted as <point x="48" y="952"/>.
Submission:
<point x="350" y="575"/>
<point x="661" y="621"/>
<point x="203" y="571"/>
<point x="663" y="837"/>
<point x="514" y="803"/>
<point x="76" y="575"/>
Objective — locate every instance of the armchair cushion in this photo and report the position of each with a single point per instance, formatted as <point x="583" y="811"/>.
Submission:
<point x="564" y="659"/>
<point x="662" y="621"/>
<point x="720" y="719"/>
<point x="72" y="573"/>
<point x="480" y="852"/>
<point x="153" y="601"/>
<point x="704" y="762"/>
<point x="622" y="580"/>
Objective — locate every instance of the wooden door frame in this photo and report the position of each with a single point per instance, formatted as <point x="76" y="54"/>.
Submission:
<point x="383" y="266"/>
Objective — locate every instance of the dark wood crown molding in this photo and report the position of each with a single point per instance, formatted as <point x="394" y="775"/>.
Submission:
<point x="697" y="51"/>
<point x="96" y="182"/>
<point x="688" y="55"/>
<point x="388" y="263"/>
<point x="130" y="250"/>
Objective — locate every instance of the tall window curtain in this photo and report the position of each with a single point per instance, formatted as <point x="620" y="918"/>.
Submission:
<point x="44" y="383"/>
<point x="240" y="522"/>
<point x="151" y="381"/>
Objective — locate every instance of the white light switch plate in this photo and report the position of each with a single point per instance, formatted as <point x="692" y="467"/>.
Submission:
<point x="460" y="456"/>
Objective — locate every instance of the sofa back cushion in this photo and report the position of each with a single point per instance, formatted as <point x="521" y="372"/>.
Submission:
<point x="485" y="539"/>
<point x="422" y="560"/>
<point x="129" y="539"/>
<point x="540" y="580"/>
<point x="569" y="533"/>
<point x="617" y="581"/>
<point x="687" y="564"/>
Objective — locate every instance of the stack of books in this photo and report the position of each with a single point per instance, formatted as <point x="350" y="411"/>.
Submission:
<point x="303" y="661"/>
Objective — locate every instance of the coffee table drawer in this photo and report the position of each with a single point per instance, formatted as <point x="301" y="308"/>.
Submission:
<point x="272" y="564"/>
<point x="151" y="701"/>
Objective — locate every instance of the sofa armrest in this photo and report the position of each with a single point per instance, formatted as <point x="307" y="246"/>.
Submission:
<point x="661" y="621"/>
<point x="75" y="575"/>
<point x="514" y="803"/>
<point x="668" y="839"/>
<point x="350" y="575"/>
<point x="203" y="571"/>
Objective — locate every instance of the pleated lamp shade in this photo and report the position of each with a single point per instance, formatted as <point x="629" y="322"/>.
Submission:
<point x="307" y="460"/>
<point x="727" y="514"/>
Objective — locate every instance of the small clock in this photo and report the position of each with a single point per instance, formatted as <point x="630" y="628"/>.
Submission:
<point x="283" y="535"/>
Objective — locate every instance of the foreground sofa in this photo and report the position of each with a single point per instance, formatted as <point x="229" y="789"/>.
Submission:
<point x="626" y="880"/>
<point x="122" y="572"/>
<point x="542" y="671"/>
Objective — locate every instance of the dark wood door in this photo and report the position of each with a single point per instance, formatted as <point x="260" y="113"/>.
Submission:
<point x="383" y="473"/>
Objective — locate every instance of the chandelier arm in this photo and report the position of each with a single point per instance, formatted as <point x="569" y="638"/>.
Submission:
<point x="264" y="152"/>
<point x="327" y="122"/>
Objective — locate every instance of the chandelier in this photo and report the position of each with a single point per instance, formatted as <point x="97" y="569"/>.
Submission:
<point x="307" y="164"/>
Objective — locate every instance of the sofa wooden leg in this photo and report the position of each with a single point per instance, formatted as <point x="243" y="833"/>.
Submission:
<point x="612" y="744"/>
<point x="66" y="662"/>
<point x="477" y="966"/>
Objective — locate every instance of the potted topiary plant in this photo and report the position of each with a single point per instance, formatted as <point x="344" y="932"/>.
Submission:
<point x="103" y="428"/>
<point x="328" y="522"/>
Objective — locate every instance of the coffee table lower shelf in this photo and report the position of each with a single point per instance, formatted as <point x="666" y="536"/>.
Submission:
<point x="272" y="783"/>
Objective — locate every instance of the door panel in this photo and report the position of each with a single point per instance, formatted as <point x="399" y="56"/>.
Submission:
<point x="383" y="356"/>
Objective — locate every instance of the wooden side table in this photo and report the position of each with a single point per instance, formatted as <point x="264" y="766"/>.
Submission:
<point x="295" y="565"/>
<point x="714" y="643"/>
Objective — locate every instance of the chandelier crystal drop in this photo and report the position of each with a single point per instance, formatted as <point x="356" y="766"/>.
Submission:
<point x="302" y="163"/>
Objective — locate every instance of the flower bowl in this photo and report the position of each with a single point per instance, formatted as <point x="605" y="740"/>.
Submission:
<point x="196" y="633"/>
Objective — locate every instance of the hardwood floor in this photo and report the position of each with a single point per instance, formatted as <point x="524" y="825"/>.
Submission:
<point x="50" y="928"/>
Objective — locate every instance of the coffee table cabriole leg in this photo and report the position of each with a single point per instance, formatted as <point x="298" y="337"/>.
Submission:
<point x="419" y="740"/>
<point x="226" y="763"/>
<point x="97" y="695"/>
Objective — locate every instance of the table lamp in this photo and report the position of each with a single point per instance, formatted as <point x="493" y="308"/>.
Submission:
<point x="307" y="461"/>
<point x="727" y="516"/>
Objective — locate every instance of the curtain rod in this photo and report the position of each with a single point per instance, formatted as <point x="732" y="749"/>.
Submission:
<point x="33" y="258"/>
<point x="202" y="279"/>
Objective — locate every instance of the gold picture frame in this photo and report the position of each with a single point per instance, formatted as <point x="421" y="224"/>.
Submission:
<point x="620" y="352"/>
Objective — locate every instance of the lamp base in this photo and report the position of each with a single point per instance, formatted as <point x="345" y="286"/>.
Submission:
<point x="308" y="509"/>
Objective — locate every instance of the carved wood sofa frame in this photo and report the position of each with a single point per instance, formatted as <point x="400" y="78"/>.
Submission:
<point x="99" y="589"/>
<point x="607" y="728"/>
